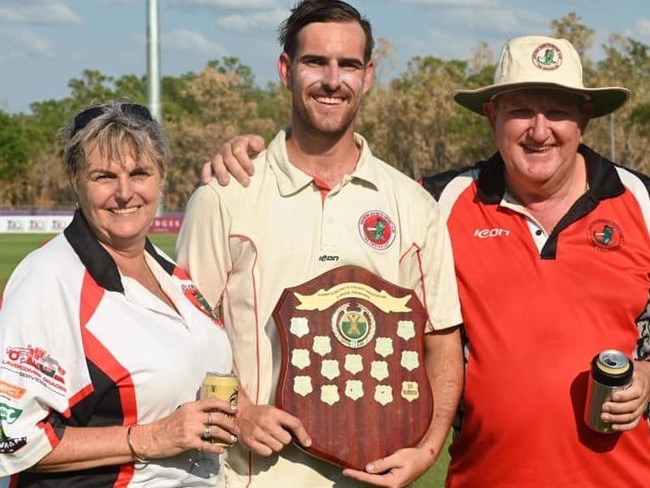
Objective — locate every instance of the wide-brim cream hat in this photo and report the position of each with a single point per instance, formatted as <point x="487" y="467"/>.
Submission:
<point x="542" y="62"/>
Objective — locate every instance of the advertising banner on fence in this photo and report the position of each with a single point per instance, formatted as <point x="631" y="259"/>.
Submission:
<point x="44" y="224"/>
<point x="53" y="224"/>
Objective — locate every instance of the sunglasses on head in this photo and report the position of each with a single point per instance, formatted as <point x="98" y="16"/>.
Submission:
<point x="82" y="119"/>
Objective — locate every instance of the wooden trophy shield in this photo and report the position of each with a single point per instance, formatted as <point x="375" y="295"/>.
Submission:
<point x="353" y="366"/>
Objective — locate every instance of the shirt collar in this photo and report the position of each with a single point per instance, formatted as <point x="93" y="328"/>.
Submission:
<point x="96" y="259"/>
<point x="291" y="179"/>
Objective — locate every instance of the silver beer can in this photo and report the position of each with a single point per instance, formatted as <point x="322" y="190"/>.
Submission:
<point x="611" y="370"/>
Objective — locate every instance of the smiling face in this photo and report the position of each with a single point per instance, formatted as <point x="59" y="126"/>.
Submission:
<point x="119" y="198"/>
<point x="327" y="77"/>
<point x="538" y="133"/>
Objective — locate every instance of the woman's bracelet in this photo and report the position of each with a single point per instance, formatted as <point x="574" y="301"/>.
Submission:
<point x="128" y="442"/>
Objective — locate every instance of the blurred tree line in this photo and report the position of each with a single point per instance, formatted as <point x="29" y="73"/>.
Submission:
<point x="410" y="121"/>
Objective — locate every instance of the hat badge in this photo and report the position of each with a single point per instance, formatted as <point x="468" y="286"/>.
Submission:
<point x="547" y="56"/>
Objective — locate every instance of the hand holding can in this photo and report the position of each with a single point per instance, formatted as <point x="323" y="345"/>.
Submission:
<point x="223" y="386"/>
<point x="611" y="370"/>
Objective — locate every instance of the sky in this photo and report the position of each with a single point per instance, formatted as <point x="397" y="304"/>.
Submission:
<point x="46" y="43"/>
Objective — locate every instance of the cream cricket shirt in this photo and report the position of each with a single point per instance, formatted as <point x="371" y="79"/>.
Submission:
<point x="244" y="246"/>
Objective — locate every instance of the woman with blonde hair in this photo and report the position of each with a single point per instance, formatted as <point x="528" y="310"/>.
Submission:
<point x="104" y="341"/>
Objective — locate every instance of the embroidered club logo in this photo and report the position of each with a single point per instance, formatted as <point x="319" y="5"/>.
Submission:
<point x="605" y="235"/>
<point x="193" y="295"/>
<point x="377" y="229"/>
<point x="353" y="327"/>
<point x="547" y="57"/>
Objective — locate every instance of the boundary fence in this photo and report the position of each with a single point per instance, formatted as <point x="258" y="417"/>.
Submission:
<point x="15" y="223"/>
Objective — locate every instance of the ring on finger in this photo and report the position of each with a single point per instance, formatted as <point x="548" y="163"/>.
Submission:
<point x="207" y="432"/>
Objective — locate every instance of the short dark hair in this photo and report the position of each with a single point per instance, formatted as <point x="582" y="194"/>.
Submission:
<point x="307" y="12"/>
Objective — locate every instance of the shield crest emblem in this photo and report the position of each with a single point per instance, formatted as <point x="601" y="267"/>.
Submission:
<point x="352" y="365"/>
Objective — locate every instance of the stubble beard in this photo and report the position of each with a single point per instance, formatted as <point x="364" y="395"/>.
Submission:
<point x="331" y="126"/>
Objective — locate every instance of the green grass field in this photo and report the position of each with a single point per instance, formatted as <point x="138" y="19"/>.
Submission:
<point x="13" y="247"/>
